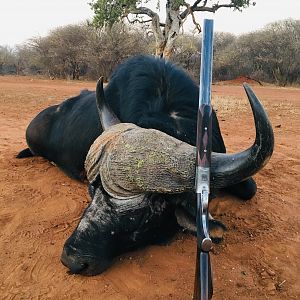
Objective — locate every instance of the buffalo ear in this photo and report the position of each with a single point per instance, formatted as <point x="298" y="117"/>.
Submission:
<point x="106" y="115"/>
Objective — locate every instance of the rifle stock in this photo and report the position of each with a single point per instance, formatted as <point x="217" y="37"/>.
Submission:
<point x="203" y="287"/>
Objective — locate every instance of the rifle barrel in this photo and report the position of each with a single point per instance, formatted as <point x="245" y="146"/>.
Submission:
<point x="203" y="280"/>
<point x="206" y="62"/>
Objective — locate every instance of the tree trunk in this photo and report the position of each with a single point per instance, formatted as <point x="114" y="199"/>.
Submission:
<point x="160" y="42"/>
<point x="160" y="47"/>
<point x="280" y="78"/>
<point x="173" y="24"/>
<point x="165" y="39"/>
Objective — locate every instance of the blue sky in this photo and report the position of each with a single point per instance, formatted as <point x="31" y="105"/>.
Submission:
<point x="23" y="19"/>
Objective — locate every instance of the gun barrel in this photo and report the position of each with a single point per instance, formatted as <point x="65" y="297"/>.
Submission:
<point x="203" y="288"/>
<point x="204" y="122"/>
<point x="206" y="62"/>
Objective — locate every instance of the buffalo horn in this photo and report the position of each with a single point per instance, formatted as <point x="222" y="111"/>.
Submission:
<point x="173" y="170"/>
<point x="106" y="115"/>
<point x="229" y="169"/>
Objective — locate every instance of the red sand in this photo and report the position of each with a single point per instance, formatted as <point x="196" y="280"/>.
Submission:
<point x="239" y="81"/>
<point x="40" y="207"/>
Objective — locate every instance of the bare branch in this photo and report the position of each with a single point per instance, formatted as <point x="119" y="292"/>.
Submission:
<point x="197" y="25"/>
<point x="155" y="23"/>
<point x="136" y="20"/>
<point x="186" y="12"/>
<point x="190" y="12"/>
<point x="141" y="11"/>
<point x="203" y="7"/>
<point x="214" y="8"/>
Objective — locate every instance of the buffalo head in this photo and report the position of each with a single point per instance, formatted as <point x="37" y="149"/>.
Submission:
<point x="110" y="226"/>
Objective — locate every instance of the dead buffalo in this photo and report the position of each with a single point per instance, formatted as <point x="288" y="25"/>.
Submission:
<point x="128" y="211"/>
<point x="144" y="90"/>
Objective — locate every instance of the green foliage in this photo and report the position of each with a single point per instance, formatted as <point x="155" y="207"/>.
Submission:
<point x="110" y="12"/>
<point x="240" y="4"/>
<point x="176" y="4"/>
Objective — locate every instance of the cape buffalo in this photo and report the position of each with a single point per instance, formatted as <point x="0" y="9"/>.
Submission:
<point x="110" y="226"/>
<point x="144" y="90"/>
<point x="151" y="93"/>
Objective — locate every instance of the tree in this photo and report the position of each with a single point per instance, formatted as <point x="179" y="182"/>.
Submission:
<point x="107" y="12"/>
<point x="27" y="60"/>
<point x="223" y="50"/>
<point x="63" y="51"/>
<point x="107" y="48"/>
<point x="7" y="60"/>
<point x="73" y="51"/>
<point x="186" y="54"/>
<point x="270" y="54"/>
<point x="279" y="51"/>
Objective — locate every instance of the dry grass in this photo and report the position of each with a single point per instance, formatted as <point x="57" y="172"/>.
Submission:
<point x="227" y="104"/>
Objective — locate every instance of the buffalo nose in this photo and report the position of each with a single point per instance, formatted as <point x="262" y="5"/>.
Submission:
<point x="70" y="262"/>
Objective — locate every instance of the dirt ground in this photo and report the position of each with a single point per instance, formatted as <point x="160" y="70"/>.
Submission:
<point x="40" y="207"/>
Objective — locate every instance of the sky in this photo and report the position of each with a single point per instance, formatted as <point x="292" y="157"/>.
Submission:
<point x="24" y="19"/>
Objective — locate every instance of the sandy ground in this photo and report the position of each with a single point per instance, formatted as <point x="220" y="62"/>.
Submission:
<point x="40" y="206"/>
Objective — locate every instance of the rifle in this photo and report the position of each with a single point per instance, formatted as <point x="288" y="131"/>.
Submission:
<point x="203" y="287"/>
